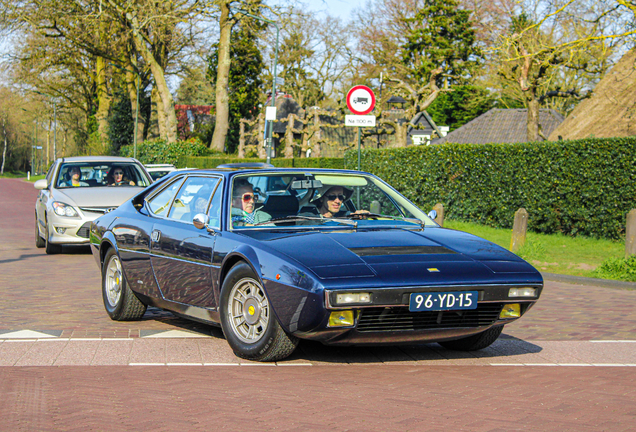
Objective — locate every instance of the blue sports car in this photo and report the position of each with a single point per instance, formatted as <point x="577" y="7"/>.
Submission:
<point x="276" y="255"/>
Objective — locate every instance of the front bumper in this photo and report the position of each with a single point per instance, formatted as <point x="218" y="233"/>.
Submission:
<point x="70" y="231"/>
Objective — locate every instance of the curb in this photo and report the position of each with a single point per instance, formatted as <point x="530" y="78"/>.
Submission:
<point x="580" y="280"/>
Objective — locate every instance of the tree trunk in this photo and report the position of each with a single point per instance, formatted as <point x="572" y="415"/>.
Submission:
<point x="241" y="147"/>
<point x="289" y="137"/>
<point x="4" y="152"/>
<point x="532" y="121"/>
<point x="167" y="102"/>
<point x="222" y="81"/>
<point x="103" y="100"/>
<point x="159" y="112"/>
<point x="260" y="138"/>
<point x="131" y="85"/>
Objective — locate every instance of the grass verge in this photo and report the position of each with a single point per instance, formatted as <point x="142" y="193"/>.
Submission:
<point x="554" y="253"/>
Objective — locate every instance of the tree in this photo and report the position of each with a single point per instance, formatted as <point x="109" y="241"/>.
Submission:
<point x="463" y="104"/>
<point x="245" y="83"/>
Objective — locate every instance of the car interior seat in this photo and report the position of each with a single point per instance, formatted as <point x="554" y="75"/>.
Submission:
<point x="281" y="205"/>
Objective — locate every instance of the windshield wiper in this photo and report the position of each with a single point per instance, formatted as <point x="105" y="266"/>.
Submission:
<point x="356" y="216"/>
<point x="292" y="218"/>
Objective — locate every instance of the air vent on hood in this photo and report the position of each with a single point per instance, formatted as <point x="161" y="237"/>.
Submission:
<point x="400" y="250"/>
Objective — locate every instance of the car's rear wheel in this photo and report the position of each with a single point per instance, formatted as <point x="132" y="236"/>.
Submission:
<point x="120" y="302"/>
<point x="50" y="248"/>
<point x="248" y="321"/>
<point x="39" y="241"/>
<point x="474" y="342"/>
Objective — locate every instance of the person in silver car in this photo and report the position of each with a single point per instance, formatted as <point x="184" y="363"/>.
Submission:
<point x="73" y="178"/>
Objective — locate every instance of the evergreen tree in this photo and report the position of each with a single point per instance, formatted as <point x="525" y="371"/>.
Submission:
<point x="442" y="37"/>
<point x="463" y="104"/>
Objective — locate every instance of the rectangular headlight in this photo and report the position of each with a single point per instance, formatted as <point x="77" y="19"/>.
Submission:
<point x="522" y="292"/>
<point x="353" y="298"/>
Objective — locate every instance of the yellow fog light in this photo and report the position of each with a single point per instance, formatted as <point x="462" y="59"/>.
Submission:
<point x="341" y="318"/>
<point x="512" y="310"/>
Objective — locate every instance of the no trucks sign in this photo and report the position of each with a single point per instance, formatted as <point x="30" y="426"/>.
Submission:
<point x="360" y="100"/>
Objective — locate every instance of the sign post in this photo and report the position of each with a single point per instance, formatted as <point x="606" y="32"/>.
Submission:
<point x="360" y="101"/>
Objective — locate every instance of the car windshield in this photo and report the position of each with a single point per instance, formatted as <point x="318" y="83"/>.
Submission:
<point x="98" y="174"/>
<point x="310" y="200"/>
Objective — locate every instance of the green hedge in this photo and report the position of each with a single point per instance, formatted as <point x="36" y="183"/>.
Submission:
<point x="570" y="187"/>
<point x="160" y="151"/>
<point x="213" y="162"/>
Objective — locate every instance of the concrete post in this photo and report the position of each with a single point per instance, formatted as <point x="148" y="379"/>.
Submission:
<point x="439" y="208"/>
<point x="630" y="234"/>
<point x="375" y="207"/>
<point x="519" y="229"/>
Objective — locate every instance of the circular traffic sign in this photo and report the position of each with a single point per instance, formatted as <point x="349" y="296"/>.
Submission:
<point x="360" y="100"/>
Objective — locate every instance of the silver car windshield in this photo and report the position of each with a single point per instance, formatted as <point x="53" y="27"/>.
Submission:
<point x="100" y="174"/>
<point x="309" y="200"/>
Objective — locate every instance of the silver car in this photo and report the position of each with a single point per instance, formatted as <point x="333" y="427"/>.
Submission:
<point x="78" y="190"/>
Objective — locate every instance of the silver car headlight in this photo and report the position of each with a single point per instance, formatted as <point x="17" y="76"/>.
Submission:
<point x="62" y="209"/>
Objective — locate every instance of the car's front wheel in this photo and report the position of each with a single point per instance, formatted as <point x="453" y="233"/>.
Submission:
<point x="39" y="241"/>
<point x="120" y="302"/>
<point x="474" y="342"/>
<point x="248" y="321"/>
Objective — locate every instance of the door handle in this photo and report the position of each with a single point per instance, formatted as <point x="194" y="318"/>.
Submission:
<point x="156" y="235"/>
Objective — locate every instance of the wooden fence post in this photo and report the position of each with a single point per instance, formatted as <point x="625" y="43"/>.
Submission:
<point x="519" y="229"/>
<point x="439" y="208"/>
<point x="630" y="234"/>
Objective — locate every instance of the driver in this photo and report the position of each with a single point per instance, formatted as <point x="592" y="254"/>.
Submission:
<point x="119" y="179"/>
<point x="330" y="200"/>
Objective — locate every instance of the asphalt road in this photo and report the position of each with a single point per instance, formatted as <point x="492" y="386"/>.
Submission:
<point x="569" y="364"/>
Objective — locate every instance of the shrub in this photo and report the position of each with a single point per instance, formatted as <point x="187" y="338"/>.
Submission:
<point x="617" y="269"/>
<point x="160" y="151"/>
<point x="214" y="161"/>
<point x="570" y="187"/>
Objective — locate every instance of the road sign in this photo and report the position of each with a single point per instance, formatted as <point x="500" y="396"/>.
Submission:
<point x="270" y="113"/>
<point x="280" y="81"/>
<point x="360" y="100"/>
<point x="360" y="120"/>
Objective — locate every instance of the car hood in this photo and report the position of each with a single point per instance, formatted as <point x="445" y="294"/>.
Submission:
<point x="100" y="197"/>
<point x="403" y="257"/>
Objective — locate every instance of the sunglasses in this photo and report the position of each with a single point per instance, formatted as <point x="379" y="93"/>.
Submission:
<point x="118" y="173"/>
<point x="249" y="197"/>
<point x="332" y="197"/>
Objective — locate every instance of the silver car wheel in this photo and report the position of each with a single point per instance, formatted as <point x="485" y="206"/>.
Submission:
<point x="248" y="310"/>
<point x="113" y="281"/>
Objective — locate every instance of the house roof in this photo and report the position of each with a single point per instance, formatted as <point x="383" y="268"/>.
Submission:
<point x="609" y="112"/>
<point x="501" y="126"/>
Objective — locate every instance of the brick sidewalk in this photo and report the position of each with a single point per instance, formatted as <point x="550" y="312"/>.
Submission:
<point x="361" y="398"/>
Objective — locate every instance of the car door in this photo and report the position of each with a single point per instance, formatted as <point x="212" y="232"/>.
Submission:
<point x="181" y="254"/>
<point x="133" y="239"/>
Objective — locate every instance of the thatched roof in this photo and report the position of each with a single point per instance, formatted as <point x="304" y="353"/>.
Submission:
<point x="610" y="111"/>
<point x="501" y="126"/>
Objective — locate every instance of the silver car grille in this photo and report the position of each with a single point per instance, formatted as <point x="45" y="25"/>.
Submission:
<point x="100" y="210"/>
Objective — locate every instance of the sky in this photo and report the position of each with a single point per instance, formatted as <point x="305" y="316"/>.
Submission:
<point x="339" y="8"/>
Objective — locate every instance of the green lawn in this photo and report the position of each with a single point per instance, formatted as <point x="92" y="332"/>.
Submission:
<point x="20" y="174"/>
<point x="576" y="256"/>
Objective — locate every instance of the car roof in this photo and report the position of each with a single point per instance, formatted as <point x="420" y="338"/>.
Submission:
<point x="98" y="159"/>
<point x="231" y="172"/>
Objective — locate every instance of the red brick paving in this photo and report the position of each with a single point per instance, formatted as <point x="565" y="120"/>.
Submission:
<point x="350" y="392"/>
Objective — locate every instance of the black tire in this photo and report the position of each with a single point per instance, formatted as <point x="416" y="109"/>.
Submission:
<point x="474" y="342"/>
<point x="50" y="248"/>
<point x="39" y="241"/>
<point x="120" y="302"/>
<point x="259" y="336"/>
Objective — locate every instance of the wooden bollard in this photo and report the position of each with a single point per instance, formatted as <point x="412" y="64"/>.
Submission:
<point x="439" y="208"/>
<point x="519" y="229"/>
<point x="630" y="234"/>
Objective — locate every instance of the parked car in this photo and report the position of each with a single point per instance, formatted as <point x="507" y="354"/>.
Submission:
<point x="159" y="170"/>
<point x="77" y="190"/>
<point x="334" y="256"/>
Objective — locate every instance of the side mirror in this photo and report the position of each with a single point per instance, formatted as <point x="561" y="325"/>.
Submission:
<point x="201" y="221"/>
<point x="432" y="214"/>
<point x="40" y="184"/>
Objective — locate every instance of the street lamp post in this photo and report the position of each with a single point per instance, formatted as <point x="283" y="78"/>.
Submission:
<point x="54" y="124"/>
<point x="271" y="122"/>
<point x="136" y="108"/>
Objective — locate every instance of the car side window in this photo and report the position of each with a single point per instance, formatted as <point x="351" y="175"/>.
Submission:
<point x="193" y="198"/>
<point x="160" y="203"/>
<point x="215" y="208"/>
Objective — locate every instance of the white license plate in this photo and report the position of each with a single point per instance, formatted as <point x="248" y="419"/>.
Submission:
<point x="438" y="301"/>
